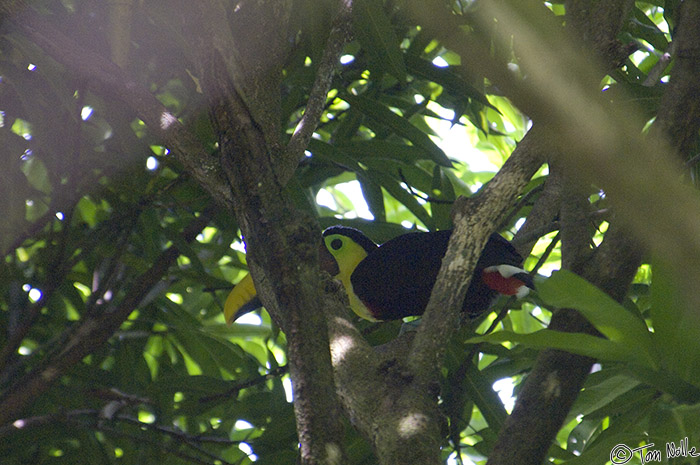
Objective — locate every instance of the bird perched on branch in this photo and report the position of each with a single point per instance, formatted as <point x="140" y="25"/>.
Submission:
<point x="395" y="280"/>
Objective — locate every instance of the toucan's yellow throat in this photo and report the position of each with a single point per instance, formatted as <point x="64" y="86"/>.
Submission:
<point x="347" y="247"/>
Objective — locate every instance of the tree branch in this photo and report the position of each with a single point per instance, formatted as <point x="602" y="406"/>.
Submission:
<point x="96" y="420"/>
<point x="678" y="118"/>
<point x="656" y="73"/>
<point x="407" y="424"/>
<point x="474" y="220"/>
<point x="238" y="386"/>
<point x="282" y="243"/>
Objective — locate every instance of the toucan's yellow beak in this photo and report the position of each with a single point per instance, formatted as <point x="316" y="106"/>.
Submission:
<point x="240" y="295"/>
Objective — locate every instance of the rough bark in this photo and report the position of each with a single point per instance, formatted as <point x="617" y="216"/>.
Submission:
<point x="679" y="113"/>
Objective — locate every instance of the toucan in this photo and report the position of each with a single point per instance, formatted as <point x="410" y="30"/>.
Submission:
<point x="394" y="280"/>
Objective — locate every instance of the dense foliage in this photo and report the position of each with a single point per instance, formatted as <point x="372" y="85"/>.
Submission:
<point x="102" y="225"/>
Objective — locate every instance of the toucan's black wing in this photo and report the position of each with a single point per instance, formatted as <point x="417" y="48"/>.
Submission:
<point x="396" y="280"/>
<point x="499" y="251"/>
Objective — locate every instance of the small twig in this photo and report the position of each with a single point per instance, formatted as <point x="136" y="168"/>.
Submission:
<point x="521" y="203"/>
<point x="543" y="323"/>
<point x="500" y="316"/>
<point x="657" y="71"/>
<point x="190" y="440"/>
<point x="231" y="392"/>
<point x="101" y="426"/>
<point x="174" y="432"/>
<point x="339" y="35"/>
<point x="535" y="234"/>
<point x="546" y="254"/>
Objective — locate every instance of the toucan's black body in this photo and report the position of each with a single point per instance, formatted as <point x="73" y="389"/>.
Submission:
<point x="396" y="279"/>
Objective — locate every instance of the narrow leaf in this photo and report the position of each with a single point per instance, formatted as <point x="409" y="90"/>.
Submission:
<point x="577" y="343"/>
<point x="400" y="194"/>
<point x="374" y="197"/>
<point x="567" y="290"/>
<point x="376" y="35"/>
<point x="674" y="323"/>
<point x="447" y="78"/>
<point x="480" y="391"/>
<point x="401" y="126"/>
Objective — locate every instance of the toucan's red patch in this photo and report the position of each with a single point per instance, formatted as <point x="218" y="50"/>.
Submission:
<point x="506" y="286"/>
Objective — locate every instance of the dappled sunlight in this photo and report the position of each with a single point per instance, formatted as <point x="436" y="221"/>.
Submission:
<point x="412" y="424"/>
<point x="504" y="388"/>
<point x="334" y="453"/>
<point x="249" y="319"/>
<point x="248" y="451"/>
<point x="19" y="424"/>
<point x="167" y="120"/>
<point x="340" y="346"/>
<point x="345" y="197"/>
<point x="288" y="388"/>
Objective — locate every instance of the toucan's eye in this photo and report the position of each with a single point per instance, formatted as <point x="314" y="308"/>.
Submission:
<point x="336" y="244"/>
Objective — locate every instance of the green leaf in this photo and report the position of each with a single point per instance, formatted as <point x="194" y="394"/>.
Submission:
<point x="577" y="343"/>
<point x="567" y="290"/>
<point x="330" y="153"/>
<point x="374" y="197"/>
<point x="480" y="391"/>
<point x="643" y="27"/>
<point x="446" y="77"/>
<point x="349" y="124"/>
<point x="627" y="428"/>
<point x="443" y="195"/>
<point x="670" y="382"/>
<point x="401" y="126"/>
<point x="674" y="323"/>
<point x="379" y="149"/>
<point x="400" y="194"/>
<point x="37" y="174"/>
<point x="316" y="18"/>
<point x="599" y="395"/>
<point x="374" y="31"/>
<point x="672" y="423"/>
